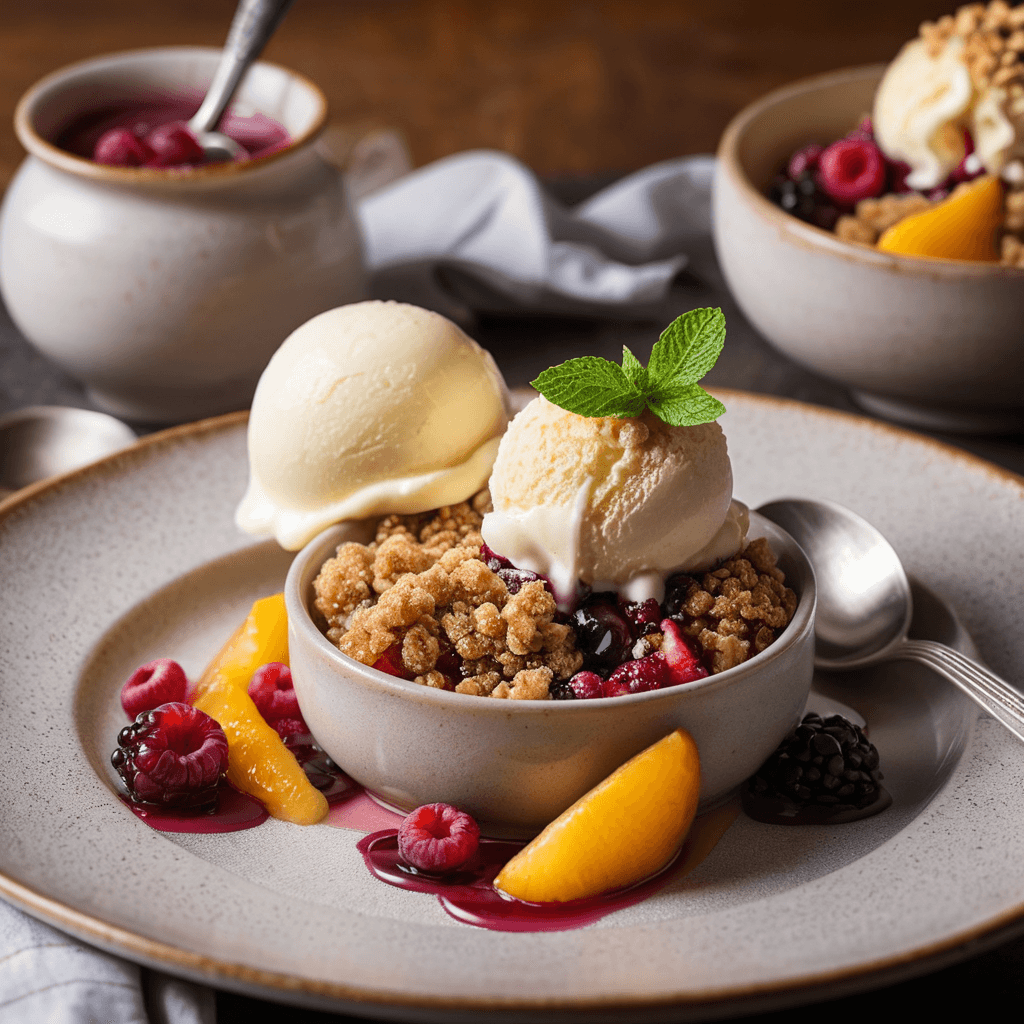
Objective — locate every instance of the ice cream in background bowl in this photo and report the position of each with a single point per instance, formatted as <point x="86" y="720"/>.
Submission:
<point x="515" y="764"/>
<point x="366" y="409"/>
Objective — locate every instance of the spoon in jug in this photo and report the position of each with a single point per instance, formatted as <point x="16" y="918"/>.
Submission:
<point x="253" y="25"/>
<point x="864" y="605"/>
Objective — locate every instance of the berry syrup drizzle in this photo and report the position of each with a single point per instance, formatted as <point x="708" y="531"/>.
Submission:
<point x="469" y="896"/>
<point x="234" y="810"/>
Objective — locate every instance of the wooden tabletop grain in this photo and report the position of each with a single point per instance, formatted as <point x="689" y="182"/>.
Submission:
<point x="571" y="88"/>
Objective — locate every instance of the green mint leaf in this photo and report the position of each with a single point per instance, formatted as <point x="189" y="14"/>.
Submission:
<point x="688" y="347"/>
<point x="634" y="371"/>
<point x="685" y="406"/>
<point x="590" y="386"/>
<point x="686" y="350"/>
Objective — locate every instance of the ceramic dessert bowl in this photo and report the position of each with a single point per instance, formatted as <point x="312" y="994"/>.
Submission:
<point x="932" y="342"/>
<point x="516" y="765"/>
<point x="166" y="290"/>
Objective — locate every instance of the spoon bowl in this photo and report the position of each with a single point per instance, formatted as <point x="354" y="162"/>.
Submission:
<point x="865" y="606"/>
<point x="44" y="440"/>
<point x="864" y="599"/>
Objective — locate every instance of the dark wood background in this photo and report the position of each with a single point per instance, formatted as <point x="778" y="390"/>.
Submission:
<point x="571" y="87"/>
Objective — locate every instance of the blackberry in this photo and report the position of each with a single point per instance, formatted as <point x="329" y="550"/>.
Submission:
<point x="561" y="690"/>
<point x="173" y="756"/>
<point x="804" y="199"/>
<point x="602" y="635"/>
<point x="824" y="763"/>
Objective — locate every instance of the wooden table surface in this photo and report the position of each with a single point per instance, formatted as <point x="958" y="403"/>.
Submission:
<point x="570" y="88"/>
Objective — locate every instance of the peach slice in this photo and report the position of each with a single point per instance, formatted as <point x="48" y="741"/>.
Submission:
<point x="624" y="830"/>
<point x="258" y="761"/>
<point x="963" y="227"/>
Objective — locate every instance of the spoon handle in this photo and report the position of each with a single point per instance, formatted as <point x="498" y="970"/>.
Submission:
<point x="995" y="695"/>
<point x="252" y="26"/>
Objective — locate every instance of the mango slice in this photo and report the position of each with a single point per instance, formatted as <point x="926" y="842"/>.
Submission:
<point x="963" y="227"/>
<point x="625" y="829"/>
<point x="258" y="761"/>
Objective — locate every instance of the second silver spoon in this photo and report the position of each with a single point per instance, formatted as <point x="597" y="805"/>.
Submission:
<point x="864" y="605"/>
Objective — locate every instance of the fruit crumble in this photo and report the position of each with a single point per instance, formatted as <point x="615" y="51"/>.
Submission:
<point x="426" y="600"/>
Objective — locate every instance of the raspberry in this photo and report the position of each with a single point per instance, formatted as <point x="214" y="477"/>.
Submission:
<point x="851" y="170"/>
<point x="391" y="662"/>
<point x="159" y="682"/>
<point x="802" y="160"/>
<point x="864" y="131"/>
<point x="649" y="673"/>
<point x="173" y="145"/>
<point x="121" y="148"/>
<point x="174" y="755"/>
<point x="683" y="664"/>
<point x="643" y="616"/>
<point x="586" y="685"/>
<point x="273" y="694"/>
<point x="438" y="838"/>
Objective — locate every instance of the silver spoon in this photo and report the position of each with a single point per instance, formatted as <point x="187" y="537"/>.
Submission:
<point x="253" y="25"/>
<point x="864" y="605"/>
<point x="44" y="440"/>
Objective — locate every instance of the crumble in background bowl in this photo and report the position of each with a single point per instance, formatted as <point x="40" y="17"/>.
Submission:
<point x="933" y="343"/>
<point x="516" y="765"/>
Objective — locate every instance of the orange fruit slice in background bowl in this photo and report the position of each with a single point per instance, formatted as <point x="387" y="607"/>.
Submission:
<point x="962" y="227"/>
<point x="624" y="830"/>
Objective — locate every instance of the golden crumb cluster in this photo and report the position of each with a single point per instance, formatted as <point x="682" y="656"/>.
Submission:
<point x="419" y="594"/>
<point x="738" y="609"/>
<point x="993" y="36"/>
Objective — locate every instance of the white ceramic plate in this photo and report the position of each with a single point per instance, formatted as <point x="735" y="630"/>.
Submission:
<point x="138" y="557"/>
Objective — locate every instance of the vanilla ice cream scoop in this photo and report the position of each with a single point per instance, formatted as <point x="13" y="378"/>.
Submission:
<point x="921" y="108"/>
<point x="617" y="503"/>
<point x="367" y="409"/>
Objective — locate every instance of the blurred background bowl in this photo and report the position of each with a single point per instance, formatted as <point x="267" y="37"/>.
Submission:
<point x="933" y="343"/>
<point x="165" y="291"/>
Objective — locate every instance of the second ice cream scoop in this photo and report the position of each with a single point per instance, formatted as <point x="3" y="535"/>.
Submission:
<point x="615" y="503"/>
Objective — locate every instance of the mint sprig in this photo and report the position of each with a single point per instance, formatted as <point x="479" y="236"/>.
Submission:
<point x="686" y="350"/>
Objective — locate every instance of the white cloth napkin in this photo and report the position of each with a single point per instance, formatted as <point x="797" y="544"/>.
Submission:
<point x="476" y="232"/>
<point x="472" y="233"/>
<point x="48" y="978"/>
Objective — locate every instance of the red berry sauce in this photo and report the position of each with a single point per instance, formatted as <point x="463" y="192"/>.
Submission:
<point x="469" y="896"/>
<point x="234" y="811"/>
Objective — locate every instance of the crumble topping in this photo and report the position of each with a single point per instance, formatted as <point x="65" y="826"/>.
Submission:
<point x="738" y="609"/>
<point x="420" y="598"/>
<point x="420" y="591"/>
<point x="993" y="38"/>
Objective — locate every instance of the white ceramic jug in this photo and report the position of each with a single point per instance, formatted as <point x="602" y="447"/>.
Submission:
<point x="166" y="291"/>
